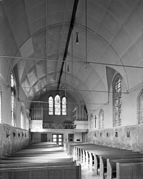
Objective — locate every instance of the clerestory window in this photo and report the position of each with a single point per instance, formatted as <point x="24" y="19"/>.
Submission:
<point x="117" y="94"/>
<point x="0" y="106"/>
<point x="101" y="119"/>
<point x="140" y="108"/>
<point x="51" y="105"/>
<point x="64" y="111"/>
<point x="13" y="91"/>
<point x="57" y="105"/>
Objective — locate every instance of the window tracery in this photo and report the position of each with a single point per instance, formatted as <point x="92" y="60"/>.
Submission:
<point x="51" y="105"/>
<point x="117" y="94"/>
<point x="101" y="119"/>
<point x="0" y="106"/>
<point x="57" y="105"/>
<point x="13" y="93"/>
<point x="64" y="112"/>
<point x="140" y="108"/>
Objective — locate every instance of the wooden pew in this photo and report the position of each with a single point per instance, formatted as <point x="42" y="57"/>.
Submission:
<point x="115" y="169"/>
<point x="50" y="172"/>
<point x="70" y="147"/>
<point x="101" y="150"/>
<point x="108" y="152"/>
<point x="103" y="167"/>
<point x="22" y="165"/>
<point x="90" y="149"/>
<point x="130" y="170"/>
<point x="25" y="164"/>
<point x="105" y="170"/>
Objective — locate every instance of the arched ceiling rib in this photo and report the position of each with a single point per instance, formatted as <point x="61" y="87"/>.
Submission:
<point x="109" y="31"/>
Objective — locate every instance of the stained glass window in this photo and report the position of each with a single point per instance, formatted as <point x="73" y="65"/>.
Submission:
<point x="22" y="120"/>
<point x="117" y="93"/>
<point x="13" y="86"/>
<point x="101" y="119"/>
<point x="0" y="105"/>
<point x="64" y="111"/>
<point x="51" y="105"/>
<point x="140" y="108"/>
<point x="57" y="105"/>
<point x="12" y="107"/>
<point x="12" y="80"/>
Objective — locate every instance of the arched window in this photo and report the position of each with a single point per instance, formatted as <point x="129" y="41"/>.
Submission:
<point x="22" y="120"/>
<point x="12" y="107"/>
<point x="0" y="106"/>
<point x="13" y="93"/>
<point x="95" y="121"/>
<point x="12" y="81"/>
<point x="117" y="94"/>
<point x="101" y="119"/>
<point x="140" y="108"/>
<point x="57" y="105"/>
<point x="64" y="106"/>
<point x="51" y="105"/>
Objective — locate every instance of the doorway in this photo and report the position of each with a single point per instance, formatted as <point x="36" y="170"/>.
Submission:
<point x="43" y="137"/>
<point x="58" y="139"/>
<point x="70" y="137"/>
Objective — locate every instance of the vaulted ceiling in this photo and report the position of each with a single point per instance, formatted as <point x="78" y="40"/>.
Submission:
<point x="110" y="33"/>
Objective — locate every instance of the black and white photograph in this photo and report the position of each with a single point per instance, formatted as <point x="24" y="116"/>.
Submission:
<point x="71" y="89"/>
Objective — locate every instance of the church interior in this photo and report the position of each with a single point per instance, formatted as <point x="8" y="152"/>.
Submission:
<point x="71" y="89"/>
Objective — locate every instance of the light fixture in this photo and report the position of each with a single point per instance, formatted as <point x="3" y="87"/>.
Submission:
<point x="77" y="38"/>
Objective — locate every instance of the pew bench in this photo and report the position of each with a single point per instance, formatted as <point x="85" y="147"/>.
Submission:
<point x="103" y="153"/>
<point x="130" y="157"/>
<point x="130" y="170"/>
<point x="116" y="170"/>
<point x="50" y="172"/>
<point x="24" y="164"/>
<point x="70" y="147"/>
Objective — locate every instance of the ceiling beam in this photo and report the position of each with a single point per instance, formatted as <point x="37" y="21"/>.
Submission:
<point x="68" y="39"/>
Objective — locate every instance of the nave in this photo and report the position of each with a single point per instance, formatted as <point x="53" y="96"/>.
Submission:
<point x="71" y="72"/>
